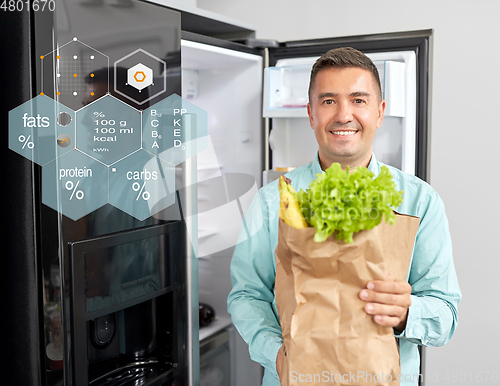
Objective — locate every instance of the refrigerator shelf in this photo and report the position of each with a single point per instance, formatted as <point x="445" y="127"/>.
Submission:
<point x="286" y="87"/>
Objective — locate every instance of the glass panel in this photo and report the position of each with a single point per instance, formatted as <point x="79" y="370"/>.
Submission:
<point x="86" y="46"/>
<point x="120" y="273"/>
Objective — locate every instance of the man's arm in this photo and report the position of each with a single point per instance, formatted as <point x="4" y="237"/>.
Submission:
<point x="251" y="298"/>
<point x="431" y="319"/>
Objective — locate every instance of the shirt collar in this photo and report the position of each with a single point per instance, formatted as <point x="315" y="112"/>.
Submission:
<point x="373" y="166"/>
<point x="316" y="168"/>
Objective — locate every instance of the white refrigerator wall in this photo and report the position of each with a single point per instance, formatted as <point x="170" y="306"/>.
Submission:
<point x="292" y="140"/>
<point x="464" y="138"/>
<point x="228" y="85"/>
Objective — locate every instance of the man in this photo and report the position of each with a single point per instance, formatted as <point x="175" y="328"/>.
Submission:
<point x="345" y="109"/>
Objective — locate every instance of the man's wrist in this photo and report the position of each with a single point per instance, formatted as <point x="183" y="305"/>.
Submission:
<point x="402" y="325"/>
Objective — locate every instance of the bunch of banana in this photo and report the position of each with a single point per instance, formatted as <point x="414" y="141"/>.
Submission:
<point x="289" y="210"/>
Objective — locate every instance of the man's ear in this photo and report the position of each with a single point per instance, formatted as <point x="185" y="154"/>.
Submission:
<point x="309" y="112"/>
<point x="381" y="110"/>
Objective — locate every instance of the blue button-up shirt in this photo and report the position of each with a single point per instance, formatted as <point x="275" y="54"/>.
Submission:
<point x="432" y="316"/>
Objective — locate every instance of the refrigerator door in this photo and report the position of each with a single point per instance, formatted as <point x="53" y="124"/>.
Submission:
<point x="403" y="57"/>
<point x="225" y="79"/>
<point x="19" y="274"/>
<point x="69" y="55"/>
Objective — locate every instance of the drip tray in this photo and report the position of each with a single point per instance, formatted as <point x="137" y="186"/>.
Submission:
<point x="135" y="373"/>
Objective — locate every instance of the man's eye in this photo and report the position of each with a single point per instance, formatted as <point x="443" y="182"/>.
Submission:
<point x="327" y="101"/>
<point x="359" y="101"/>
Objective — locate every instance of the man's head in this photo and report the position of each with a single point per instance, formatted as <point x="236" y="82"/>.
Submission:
<point x="345" y="107"/>
<point x="343" y="58"/>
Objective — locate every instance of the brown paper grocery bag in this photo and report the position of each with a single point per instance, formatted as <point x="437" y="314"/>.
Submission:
<point x="328" y="337"/>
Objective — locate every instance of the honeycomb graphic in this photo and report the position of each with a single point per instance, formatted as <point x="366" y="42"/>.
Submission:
<point x="107" y="151"/>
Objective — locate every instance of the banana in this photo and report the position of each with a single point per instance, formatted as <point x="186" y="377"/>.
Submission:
<point x="289" y="210"/>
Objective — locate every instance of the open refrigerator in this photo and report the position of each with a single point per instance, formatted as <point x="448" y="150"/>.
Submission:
<point x="256" y="94"/>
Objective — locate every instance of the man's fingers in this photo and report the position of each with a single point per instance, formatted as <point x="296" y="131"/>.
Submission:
<point x="382" y="309"/>
<point x="394" y="287"/>
<point x="386" y="321"/>
<point x="394" y="299"/>
<point x="387" y="300"/>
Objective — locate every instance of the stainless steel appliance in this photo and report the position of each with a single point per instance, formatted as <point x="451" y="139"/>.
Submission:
<point x="105" y="298"/>
<point x="127" y="306"/>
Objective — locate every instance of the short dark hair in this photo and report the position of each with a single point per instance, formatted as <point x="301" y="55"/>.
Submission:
<point x="344" y="57"/>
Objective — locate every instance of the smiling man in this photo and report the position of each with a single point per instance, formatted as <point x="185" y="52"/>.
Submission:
<point x="345" y="110"/>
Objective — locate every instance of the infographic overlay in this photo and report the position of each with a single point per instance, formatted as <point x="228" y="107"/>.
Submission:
<point x="107" y="151"/>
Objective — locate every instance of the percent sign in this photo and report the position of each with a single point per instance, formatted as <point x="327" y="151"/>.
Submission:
<point x="137" y="187"/>
<point x="26" y="141"/>
<point x="79" y="194"/>
<point x="99" y="114"/>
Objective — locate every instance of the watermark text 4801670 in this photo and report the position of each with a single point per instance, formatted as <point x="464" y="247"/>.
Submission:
<point x="27" y="5"/>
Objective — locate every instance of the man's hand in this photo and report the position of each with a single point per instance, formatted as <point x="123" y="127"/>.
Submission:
<point x="279" y="360"/>
<point x="388" y="301"/>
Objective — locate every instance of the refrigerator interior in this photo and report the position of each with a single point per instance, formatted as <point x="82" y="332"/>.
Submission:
<point x="292" y="140"/>
<point x="228" y="85"/>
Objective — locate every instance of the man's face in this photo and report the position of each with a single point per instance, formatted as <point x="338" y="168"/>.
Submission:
<point x="345" y="112"/>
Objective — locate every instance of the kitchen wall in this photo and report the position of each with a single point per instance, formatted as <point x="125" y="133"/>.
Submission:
<point x="464" y="141"/>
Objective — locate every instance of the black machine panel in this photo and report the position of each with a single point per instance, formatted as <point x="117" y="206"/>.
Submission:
<point x="127" y="306"/>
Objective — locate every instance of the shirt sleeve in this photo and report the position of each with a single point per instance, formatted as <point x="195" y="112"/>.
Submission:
<point x="432" y="316"/>
<point x="250" y="301"/>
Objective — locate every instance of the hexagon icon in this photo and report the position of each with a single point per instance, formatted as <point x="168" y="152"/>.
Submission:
<point x="174" y="129"/>
<point x="141" y="185"/>
<point x="41" y="129"/>
<point x="79" y="72"/>
<point x="146" y="76"/>
<point x="140" y="76"/>
<point x="75" y="185"/>
<point x="108" y="129"/>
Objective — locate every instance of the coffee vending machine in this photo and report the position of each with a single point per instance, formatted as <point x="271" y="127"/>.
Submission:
<point x="98" y="261"/>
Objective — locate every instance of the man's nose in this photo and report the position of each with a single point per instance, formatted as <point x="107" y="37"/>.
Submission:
<point x="343" y="113"/>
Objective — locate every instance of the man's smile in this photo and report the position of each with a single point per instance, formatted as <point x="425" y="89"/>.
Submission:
<point x="343" y="133"/>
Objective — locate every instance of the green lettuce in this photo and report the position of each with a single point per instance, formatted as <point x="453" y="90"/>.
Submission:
<point x="345" y="203"/>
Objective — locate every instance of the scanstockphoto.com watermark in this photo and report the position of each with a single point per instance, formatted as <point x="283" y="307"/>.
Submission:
<point x="354" y="377"/>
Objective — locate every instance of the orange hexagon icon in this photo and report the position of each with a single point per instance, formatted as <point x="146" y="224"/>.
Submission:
<point x="141" y="78"/>
<point x="135" y="63"/>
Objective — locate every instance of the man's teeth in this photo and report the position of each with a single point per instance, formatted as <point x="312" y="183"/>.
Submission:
<point x="343" y="132"/>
